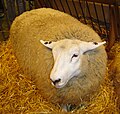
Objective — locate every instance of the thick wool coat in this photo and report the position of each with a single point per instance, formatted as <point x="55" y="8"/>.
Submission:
<point x="37" y="61"/>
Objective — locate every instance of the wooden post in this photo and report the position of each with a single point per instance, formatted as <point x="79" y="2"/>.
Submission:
<point x="11" y="9"/>
<point x="117" y="15"/>
<point x="113" y="28"/>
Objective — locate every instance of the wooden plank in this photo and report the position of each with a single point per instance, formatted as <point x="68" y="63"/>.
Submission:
<point x="112" y="2"/>
<point x="117" y="16"/>
<point x="113" y="29"/>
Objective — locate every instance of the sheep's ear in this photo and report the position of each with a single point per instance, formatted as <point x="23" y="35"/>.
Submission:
<point x="48" y="44"/>
<point x="87" y="46"/>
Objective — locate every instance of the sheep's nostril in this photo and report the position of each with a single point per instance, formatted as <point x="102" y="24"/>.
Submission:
<point x="56" y="81"/>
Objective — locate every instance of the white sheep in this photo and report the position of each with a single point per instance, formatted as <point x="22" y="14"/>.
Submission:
<point x="68" y="55"/>
<point x="79" y="66"/>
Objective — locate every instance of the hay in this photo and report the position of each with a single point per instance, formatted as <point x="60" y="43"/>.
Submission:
<point x="19" y="95"/>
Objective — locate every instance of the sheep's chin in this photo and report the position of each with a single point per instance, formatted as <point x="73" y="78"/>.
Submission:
<point x="60" y="85"/>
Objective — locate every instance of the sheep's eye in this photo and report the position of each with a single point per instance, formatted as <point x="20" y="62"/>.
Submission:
<point x="74" y="55"/>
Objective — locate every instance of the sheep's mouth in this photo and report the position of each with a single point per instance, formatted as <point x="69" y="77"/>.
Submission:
<point x="59" y="85"/>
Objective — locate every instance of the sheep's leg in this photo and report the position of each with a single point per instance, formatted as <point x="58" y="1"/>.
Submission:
<point x="68" y="107"/>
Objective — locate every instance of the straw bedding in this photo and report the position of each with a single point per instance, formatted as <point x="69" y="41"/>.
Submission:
<point x="18" y="94"/>
<point x="114" y="69"/>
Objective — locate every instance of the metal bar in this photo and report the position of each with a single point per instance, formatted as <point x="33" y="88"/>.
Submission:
<point x="7" y="22"/>
<point x="89" y="14"/>
<point x="82" y="12"/>
<point x="1" y="24"/>
<point x="56" y="5"/>
<point x="104" y="19"/>
<point x="1" y="30"/>
<point x="68" y="7"/>
<point x="1" y="5"/>
<point x="11" y="9"/>
<point x="39" y="2"/>
<point x="5" y="13"/>
<point x="20" y="6"/>
<point x="30" y="4"/>
<point x="97" y="17"/>
<point x="18" y="11"/>
<point x="50" y="3"/>
<point x="62" y="5"/>
<point x="24" y="5"/>
<point x="44" y="3"/>
<point x="75" y="9"/>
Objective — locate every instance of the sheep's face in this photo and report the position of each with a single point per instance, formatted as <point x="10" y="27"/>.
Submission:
<point x="67" y="56"/>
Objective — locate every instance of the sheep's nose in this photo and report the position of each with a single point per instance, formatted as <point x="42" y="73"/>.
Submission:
<point x="55" y="81"/>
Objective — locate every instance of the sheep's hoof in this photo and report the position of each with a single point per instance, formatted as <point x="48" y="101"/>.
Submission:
<point x="70" y="107"/>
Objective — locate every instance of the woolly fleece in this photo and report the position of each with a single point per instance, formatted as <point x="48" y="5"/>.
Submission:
<point x="37" y="61"/>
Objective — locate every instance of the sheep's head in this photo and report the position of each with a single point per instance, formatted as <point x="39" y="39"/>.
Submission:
<point x="67" y="56"/>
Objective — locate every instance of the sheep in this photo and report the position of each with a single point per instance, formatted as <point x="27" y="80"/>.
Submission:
<point x="37" y="29"/>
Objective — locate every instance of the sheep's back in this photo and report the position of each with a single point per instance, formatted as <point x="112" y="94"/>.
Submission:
<point x="37" y="61"/>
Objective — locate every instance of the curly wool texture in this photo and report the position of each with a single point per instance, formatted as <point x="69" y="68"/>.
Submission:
<point x="37" y="61"/>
